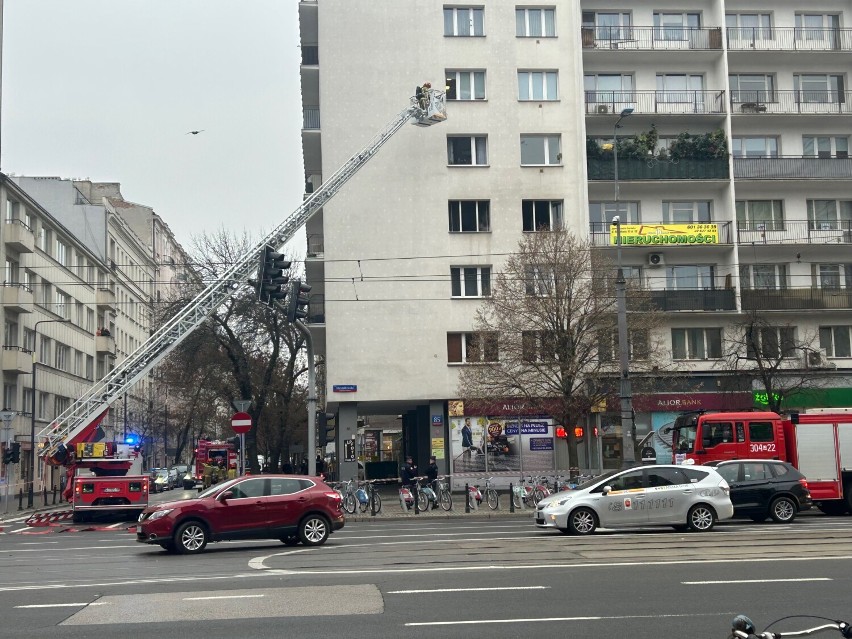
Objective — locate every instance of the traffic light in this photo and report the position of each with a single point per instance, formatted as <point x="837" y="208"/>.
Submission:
<point x="7" y="456"/>
<point x="561" y="433"/>
<point x="271" y="277"/>
<point x="298" y="302"/>
<point x="322" y="429"/>
<point x="16" y="453"/>
<point x="235" y="440"/>
<point x="578" y="433"/>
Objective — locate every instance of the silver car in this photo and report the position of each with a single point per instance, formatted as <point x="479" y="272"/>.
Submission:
<point x="686" y="497"/>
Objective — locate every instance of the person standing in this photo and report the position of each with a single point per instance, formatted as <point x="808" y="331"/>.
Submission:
<point x="432" y="476"/>
<point x="467" y="437"/>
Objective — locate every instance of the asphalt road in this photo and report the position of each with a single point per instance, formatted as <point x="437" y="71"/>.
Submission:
<point x="430" y="577"/>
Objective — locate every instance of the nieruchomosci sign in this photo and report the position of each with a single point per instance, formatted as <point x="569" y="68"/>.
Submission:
<point x="665" y="234"/>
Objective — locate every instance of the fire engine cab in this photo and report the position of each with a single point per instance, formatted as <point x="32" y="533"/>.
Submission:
<point x="818" y="442"/>
<point x="214" y="453"/>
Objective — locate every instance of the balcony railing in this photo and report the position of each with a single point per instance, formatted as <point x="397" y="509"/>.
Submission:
<point x="630" y="169"/>
<point x="18" y="236"/>
<point x="315" y="245"/>
<point x="310" y="55"/>
<point x="820" y="102"/>
<point x="711" y="299"/>
<point x="788" y="39"/>
<point x="652" y="38"/>
<point x="600" y="232"/>
<point x="796" y="298"/>
<point x="311" y="117"/>
<point x="655" y="102"/>
<point x="772" y="232"/>
<point x="316" y="310"/>
<point x="787" y="168"/>
<point x="17" y="297"/>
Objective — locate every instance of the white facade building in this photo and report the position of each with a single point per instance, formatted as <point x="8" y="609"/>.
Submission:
<point x="535" y="92"/>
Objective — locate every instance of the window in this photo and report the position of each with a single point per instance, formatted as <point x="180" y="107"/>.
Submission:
<point x="29" y="340"/>
<point x="817" y="27"/>
<point x="27" y="401"/>
<point x="541" y="215"/>
<point x="47" y="294"/>
<point x="538" y="85"/>
<point x="825" y="146"/>
<point x="10" y="334"/>
<point x="90" y="320"/>
<point x="44" y="356"/>
<point x="754" y="147"/>
<point x="763" y="276"/>
<point x="834" y="275"/>
<point x="464" y="21"/>
<point x="12" y="270"/>
<point x="690" y="277"/>
<point x="535" y="23"/>
<point x="537" y="150"/>
<point x="760" y="215"/>
<point x="9" y="395"/>
<point x="713" y="434"/>
<point x="249" y="489"/>
<point x="470" y="216"/>
<point x="761" y="432"/>
<point x="471" y="348"/>
<point x="467" y="150"/>
<point x="818" y="88"/>
<point x="628" y="481"/>
<point x="660" y="477"/>
<point x="61" y="305"/>
<point x="540" y="280"/>
<point x="90" y="367"/>
<point x="606" y="26"/>
<point x="678" y="87"/>
<point x="538" y="346"/>
<point x="836" y="340"/>
<point x="752" y="87"/>
<point x="696" y="343"/>
<point x="749" y="26"/>
<point x="615" y="90"/>
<point x="675" y="26"/>
<point x="465" y="85"/>
<point x="470" y="281"/>
<point x="62" y="357"/>
<point x="637" y="345"/>
<point x="686" y="212"/>
<point x="43" y="238"/>
<point x="61" y="253"/>
<point x="43" y="399"/>
<point x="601" y="214"/>
<point x="829" y="215"/>
<point x="285" y="486"/>
<point x="771" y="342"/>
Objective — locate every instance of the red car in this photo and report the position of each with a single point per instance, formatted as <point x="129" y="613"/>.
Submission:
<point x="287" y="507"/>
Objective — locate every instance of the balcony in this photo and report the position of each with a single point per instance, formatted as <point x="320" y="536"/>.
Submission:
<point x="18" y="236"/>
<point x="631" y="169"/>
<point x="602" y="234"/>
<point x="105" y="298"/>
<point x="774" y="232"/>
<point x="788" y="39"/>
<point x="310" y="55"/>
<point x="652" y="38"/>
<point x="18" y="298"/>
<point x="611" y="103"/>
<point x="315" y="245"/>
<point x="311" y="117"/>
<point x="105" y="344"/>
<point x="786" y="299"/>
<point x="16" y="360"/>
<point x="718" y="299"/>
<point x="793" y="168"/>
<point x="825" y="102"/>
<point x="316" y="310"/>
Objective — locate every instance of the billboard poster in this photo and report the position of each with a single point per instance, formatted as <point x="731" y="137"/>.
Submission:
<point x="659" y="421"/>
<point x="497" y="444"/>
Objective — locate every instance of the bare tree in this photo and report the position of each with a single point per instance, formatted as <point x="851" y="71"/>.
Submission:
<point x="547" y="331"/>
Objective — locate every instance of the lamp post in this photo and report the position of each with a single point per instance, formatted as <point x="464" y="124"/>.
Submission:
<point x="33" y="415"/>
<point x="625" y="390"/>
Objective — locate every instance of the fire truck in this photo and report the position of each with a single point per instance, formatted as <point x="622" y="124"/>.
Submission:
<point x="212" y="452"/>
<point x="818" y="442"/>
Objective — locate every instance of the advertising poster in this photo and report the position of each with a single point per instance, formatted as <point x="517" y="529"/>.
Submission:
<point x="480" y="444"/>
<point x="660" y="421"/>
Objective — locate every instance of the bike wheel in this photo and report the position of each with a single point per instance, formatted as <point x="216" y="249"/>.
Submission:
<point x="537" y="496"/>
<point x="376" y="501"/>
<point x="350" y="504"/>
<point x="516" y="499"/>
<point x="492" y="498"/>
<point x="363" y="505"/>
<point x="422" y="501"/>
<point x="446" y="499"/>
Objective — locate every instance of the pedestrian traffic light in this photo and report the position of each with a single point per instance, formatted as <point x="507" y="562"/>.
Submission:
<point x="16" y="453"/>
<point x="271" y="278"/>
<point x="561" y="433"/>
<point x="578" y="433"/>
<point x="298" y="302"/>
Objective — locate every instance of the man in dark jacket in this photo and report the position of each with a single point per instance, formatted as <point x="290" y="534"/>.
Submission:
<point x="409" y="472"/>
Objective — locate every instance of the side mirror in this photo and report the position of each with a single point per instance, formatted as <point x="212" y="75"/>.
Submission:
<point x="606" y="490"/>
<point x="225" y="496"/>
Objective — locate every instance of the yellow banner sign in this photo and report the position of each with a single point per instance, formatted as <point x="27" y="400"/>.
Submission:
<point x="665" y="234"/>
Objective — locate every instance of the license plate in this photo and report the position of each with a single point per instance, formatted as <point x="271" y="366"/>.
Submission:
<point x="112" y="490"/>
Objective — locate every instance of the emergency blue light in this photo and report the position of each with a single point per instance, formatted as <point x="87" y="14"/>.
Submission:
<point x="130" y="439"/>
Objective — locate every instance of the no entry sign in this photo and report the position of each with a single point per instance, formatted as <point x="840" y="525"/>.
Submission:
<point x="241" y="423"/>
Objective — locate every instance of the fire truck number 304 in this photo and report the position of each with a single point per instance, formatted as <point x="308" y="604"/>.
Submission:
<point x="762" y="448"/>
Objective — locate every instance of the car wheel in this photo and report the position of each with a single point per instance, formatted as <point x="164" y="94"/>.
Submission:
<point x="191" y="538"/>
<point x="290" y="540"/>
<point x="701" y="518"/>
<point x="582" y="521"/>
<point x="314" y="530"/>
<point x="783" y="510"/>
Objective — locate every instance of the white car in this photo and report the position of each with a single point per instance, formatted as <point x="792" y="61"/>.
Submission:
<point x="686" y="497"/>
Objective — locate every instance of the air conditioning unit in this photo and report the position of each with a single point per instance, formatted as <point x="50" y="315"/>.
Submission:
<point x="603" y="109"/>
<point x="819" y="359"/>
<point x="656" y="259"/>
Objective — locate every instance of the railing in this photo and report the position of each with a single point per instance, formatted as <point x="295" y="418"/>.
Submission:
<point x="819" y="102"/>
<point x="781" y="168"/>
<point x="310" y="55"/>
<point x="630" y="169"/>
<point x="311" y="117"/>
<point x="788" y="39"/>
<point x="316" y="310"/>
<point x="20" y="223"/>
<point x="600" y="232"/>
<point x="773" y="232"/>
<point x="651" y="38"/>
<point x="711" y="299"/>
<point x="655" y="102"/>
<point x="23" y="287"/>
<point x="315" y="245"/>
<point x="796" y="298"/>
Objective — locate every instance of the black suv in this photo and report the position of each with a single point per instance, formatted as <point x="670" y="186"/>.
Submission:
<point x="762" y="488"/>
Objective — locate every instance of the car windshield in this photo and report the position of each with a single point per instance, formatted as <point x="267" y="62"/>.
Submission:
<point x="684" y="438"/>
<point x="216" y="488"/>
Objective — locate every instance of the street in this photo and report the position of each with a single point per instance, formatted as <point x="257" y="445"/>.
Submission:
<point x="464" y="576"/>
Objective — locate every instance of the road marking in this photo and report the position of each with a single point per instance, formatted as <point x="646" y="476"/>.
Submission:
<point x="417" y="592"/>
<point x="594" y="618"/>
<point x="121" y="523"/>
<point x="223" y="597"/>
<point x="754" y="581"/>
<point x="66" y="605"/>
<point x="37" y="543"/>
<point x="69" y="549"/>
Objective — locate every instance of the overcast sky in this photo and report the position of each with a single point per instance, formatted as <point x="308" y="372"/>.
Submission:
<point x="108" y="89"/>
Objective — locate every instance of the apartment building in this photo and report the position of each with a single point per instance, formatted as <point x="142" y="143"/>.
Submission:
<point x="739" y="121"/>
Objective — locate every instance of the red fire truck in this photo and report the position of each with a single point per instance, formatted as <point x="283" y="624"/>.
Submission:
<point x="818" y="442"/>
<point x="211" y="452"/>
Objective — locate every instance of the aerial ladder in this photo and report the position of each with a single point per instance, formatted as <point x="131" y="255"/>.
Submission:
<point x="80" y="421"/>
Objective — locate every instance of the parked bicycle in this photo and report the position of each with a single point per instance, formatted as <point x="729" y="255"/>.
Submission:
<point x="426" y="497"/>
<point x="348" y="498"/>
<point x="489" y="494"/>
<point x="442" y="490"/>
<point x="529" y="492"/>
<point x="368" y="497"/>
<point x="407" y="500"/>
<point x="743" y="628"/>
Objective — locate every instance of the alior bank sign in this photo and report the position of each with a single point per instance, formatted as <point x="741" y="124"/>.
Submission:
<point x="665" y="234"/>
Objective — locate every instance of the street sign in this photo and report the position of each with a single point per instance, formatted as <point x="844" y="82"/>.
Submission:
<point x="241" y="423"/>
<point x="7" y="415"/>
<point x="242" y="405"/>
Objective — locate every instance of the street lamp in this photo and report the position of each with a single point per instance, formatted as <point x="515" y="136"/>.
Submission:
<point x="33" y="415"/>
<point x="625" y="389"/>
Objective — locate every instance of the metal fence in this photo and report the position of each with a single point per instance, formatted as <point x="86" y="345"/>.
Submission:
<point x="686" y="102"/>
<point x="796" y="298"/>
<point x="788" y="39"/>
<point x="785" y="168"/>
<point x="813" y="102"/>
<point x="311" y="117"/>
<point x="617" y="38"/>
<point x="631" y="169"/>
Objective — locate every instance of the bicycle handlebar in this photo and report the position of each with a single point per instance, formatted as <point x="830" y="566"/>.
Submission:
<point x="743" y="628"/>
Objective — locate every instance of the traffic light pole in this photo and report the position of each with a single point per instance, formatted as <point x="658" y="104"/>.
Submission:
<point x="312" y="398"/>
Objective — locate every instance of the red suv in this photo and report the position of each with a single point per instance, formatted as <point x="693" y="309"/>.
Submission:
<point x="286" y="507"/>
